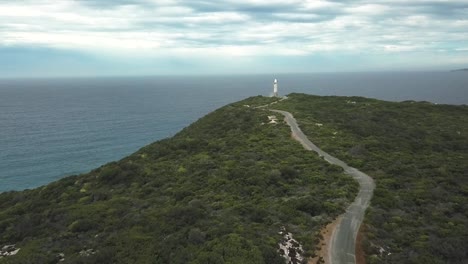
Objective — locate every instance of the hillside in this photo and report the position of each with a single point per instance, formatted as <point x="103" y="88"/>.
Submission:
<point x="417" y="153"/>
<point x="220" y="191"/>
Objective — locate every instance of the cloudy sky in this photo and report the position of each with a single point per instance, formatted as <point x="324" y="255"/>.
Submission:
<point x="154" y="37"/>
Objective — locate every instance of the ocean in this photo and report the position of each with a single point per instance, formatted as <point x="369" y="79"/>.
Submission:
<point x="51" y="128"/>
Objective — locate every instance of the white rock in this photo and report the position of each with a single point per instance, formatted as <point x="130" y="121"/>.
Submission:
<point x="14" y="252"/>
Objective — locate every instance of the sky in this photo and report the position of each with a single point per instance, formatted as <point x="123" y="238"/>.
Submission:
<point x="40" y="38"/>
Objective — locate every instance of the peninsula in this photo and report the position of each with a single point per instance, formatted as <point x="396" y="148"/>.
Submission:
<point x="234" y="187"/>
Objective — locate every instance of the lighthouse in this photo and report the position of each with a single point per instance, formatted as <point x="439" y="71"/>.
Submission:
<point x="275" y="88"/>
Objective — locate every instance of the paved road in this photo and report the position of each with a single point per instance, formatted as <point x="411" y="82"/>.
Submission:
<point x="342" y="245"/>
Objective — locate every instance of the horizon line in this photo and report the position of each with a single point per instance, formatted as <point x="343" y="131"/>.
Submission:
<point x="225" y="74"/>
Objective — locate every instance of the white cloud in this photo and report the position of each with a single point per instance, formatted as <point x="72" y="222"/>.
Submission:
<point x="368" y="9"/>
<point x="297" y="16"/>
<point x="399" y="48"/>
<point x="210" y="18"/>
<point x="236" y="28"/>
<point x="319" y="4"/>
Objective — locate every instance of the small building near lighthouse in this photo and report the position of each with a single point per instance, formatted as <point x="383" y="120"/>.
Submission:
<point x="275" y="88"/>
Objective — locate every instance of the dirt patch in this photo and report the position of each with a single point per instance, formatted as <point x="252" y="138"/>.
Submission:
<point x="324" y="244"/>
<point x="360" y="256"/>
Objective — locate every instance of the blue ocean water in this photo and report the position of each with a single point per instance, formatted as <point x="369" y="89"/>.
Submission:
<point x="51" y="128"/>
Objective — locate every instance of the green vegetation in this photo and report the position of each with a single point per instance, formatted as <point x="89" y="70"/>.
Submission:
<point x="217" y="192"/>
<point x="417" y="152"/>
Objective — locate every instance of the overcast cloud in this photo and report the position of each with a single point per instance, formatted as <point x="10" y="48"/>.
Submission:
<point x="183" y="36"/>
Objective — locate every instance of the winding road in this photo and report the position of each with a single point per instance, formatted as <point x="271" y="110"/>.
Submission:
<point x="342" y="245"/>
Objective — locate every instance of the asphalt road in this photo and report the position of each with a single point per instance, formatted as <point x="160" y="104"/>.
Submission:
<point x="342" y="246"/>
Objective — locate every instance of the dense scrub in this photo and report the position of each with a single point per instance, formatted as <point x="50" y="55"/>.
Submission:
<point x="418" y="153"/>
<point x="217" y="192"/>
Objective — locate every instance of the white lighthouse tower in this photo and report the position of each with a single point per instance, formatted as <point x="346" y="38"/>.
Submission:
<point x="275" y="88"/>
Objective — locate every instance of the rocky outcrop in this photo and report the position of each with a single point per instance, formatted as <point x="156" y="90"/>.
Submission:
<point x="290" y="249"/>
<point x="9" y="250"/>
<point x="61" y="257"/>
<point x="87" y="252"/>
